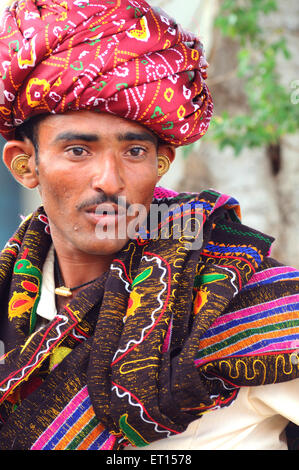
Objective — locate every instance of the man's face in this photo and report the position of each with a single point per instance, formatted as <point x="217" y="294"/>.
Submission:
<point x="87" y="159"/>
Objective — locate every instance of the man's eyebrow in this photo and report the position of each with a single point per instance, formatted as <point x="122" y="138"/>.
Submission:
<point x="127" y="136"/>
<point x="141" y="136"/>
<point x="70" y="136"/>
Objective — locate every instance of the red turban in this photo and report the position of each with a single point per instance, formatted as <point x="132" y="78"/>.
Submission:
<point x="121" y="57"/>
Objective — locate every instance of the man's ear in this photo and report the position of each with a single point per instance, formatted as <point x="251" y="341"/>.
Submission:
<point x="12" y="149"/>
<point x="166" y="150"/>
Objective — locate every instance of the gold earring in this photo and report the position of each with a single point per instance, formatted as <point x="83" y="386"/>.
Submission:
<point x="20" y="164"/>
<point x="163" y="164"/>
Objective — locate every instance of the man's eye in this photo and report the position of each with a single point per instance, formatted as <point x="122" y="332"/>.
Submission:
<point x="137" y="151"/>
<point x="77" y="151"/>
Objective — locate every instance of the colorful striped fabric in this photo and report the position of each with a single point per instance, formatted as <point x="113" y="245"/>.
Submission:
<point x="222" y="249"/>
<point x="279" y="273"/>
<point x="76" y="428"/>
<point x="252" y="330"/>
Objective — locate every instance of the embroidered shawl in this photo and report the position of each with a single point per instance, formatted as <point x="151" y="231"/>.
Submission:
<point x="169" y="333"/>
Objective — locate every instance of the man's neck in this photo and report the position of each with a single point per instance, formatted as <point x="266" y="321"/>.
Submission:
<point x="79" y="268"/>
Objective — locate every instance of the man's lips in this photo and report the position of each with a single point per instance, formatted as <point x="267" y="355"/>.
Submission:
<point x="105" y="213"/>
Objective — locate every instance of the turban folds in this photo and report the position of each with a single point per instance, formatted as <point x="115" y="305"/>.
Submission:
<point x="121" y="57"/>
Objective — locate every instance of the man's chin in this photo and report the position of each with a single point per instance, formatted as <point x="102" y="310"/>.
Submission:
<point x="104" y="247"/>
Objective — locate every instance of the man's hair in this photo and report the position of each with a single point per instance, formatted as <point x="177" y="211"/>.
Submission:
<point x="29" y="129"/>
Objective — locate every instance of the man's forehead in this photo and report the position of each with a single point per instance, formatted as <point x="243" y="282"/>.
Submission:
<point x="92" y="126"/>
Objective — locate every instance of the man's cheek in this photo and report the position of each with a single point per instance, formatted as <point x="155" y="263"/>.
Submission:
<point x="55" y="192"/>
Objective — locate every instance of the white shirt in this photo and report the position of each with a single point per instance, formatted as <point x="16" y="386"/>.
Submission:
<point x="256" y="420"/>
<point x="46" y="307"/>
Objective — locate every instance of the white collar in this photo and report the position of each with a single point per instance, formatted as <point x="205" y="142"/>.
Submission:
<point x="46" y="307"/>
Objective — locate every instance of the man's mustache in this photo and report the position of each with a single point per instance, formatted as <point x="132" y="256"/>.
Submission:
<point x="103" y="198"/>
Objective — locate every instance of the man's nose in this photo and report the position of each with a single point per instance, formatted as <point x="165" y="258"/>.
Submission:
<point x="107" y="175"/>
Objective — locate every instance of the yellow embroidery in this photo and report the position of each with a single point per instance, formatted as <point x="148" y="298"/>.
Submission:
<point x="5" y="111"/>
<point x="181" y="112"/>
<point x="200" y="300"/>
<point x="134" y="303"/>
<point x="142" y="34"/>
<point x="58" y="355"/>
<point x="28" y="341"/>
<point x="25" y="63"/>
<point x="133" y="366"/>
<point x="168" y="95"/>
<point x="39" y="94"/>
<point x="195" y="54"/>
<point x="19" y="304"/>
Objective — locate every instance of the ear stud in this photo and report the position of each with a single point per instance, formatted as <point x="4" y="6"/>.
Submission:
<point x="20" y="164"/>
<point x="163" y="164"/>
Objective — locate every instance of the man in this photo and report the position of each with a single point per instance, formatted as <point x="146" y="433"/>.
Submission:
<point x="120" y="333"/>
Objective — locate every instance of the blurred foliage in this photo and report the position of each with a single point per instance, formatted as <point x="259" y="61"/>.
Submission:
<point x="270" y="113"/>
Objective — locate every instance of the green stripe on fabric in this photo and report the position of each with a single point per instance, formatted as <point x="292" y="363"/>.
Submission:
<point x="245" y="334"/>
<point x="214" y="193"/>
<point x="245" y="234"/>
<point x="132" y="434"/>
<point x="202" y="279"/>
<point x="82" y="434"/>
<point x="142" y="276"/>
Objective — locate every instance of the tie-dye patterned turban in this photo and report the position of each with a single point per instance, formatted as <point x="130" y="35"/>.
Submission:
<point x="121" y="57"/>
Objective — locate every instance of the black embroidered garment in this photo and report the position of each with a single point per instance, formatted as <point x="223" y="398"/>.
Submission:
<point x="136" y="356"/>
